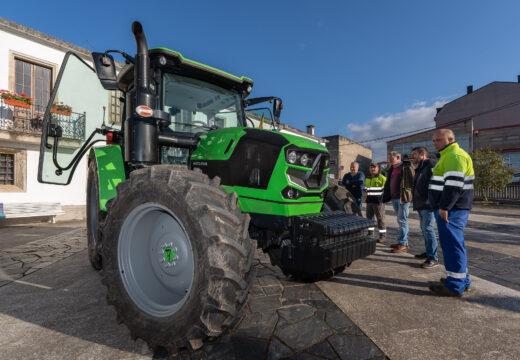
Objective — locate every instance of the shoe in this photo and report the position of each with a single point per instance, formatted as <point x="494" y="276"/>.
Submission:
<point x="421" y="256"/>
<point x="429" y="264"/>
<point x="393" y="246"/>
<point x="442" y="282"/>
<point x="441" y="290"/>
<point x="400" y="248"/>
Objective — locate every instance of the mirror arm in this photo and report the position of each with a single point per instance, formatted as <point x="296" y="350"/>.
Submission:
<point x="258" y="100"/>
<point x="129" y="59"/>
<point x="83" y="149"/>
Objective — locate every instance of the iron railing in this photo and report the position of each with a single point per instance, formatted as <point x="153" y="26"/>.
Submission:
<point x="30" y="121"/>
<point x="510" y="192"/>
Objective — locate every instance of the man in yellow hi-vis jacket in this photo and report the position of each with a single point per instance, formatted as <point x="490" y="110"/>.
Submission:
<point x="374" y="186"/>
<point x="450" y="193"/>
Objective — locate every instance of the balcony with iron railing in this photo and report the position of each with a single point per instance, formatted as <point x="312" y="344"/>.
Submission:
<point x="29" y="121"/>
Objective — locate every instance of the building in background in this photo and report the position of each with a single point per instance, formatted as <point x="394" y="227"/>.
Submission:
<point x="29" y="64"/>
<point x="343" y="152"/>
<point x="489" y="116"/>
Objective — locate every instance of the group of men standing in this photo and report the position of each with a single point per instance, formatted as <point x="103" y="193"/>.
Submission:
<point x="440" y="191"/>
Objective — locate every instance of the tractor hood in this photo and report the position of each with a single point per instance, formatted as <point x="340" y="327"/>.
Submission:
<point x="265" y="169"/>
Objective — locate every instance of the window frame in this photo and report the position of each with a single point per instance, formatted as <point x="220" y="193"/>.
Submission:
<point x="14" y="55"/>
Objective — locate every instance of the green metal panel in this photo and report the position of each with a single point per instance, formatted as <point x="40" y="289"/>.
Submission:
<point x="111" y="171"/>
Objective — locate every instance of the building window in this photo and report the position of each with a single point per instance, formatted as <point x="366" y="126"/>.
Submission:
<point x="115" y="107"/>
<point x="6" y="169"/>
<point x="13" y="170"/>
<point x="34" y="81"/>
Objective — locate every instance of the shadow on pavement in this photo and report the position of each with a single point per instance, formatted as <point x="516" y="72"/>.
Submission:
<point x="382" y="283"/>
<point x="499" y="302"/>
<point x="411" y="264"/>
<point x="68" y="299"/>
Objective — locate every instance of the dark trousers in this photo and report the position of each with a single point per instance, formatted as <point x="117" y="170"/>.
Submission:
<point x="377" y="211"/>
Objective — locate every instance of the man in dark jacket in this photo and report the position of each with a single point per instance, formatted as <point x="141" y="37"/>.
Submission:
<point x="354" y="181"/>
<point x="398" y="189"/>
<point x="423" y="174"/>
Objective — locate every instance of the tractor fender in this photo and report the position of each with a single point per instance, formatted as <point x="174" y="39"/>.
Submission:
<point x="111" y="171"/>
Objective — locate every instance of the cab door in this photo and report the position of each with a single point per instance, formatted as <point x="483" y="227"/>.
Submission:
<point x="73" y="120"/>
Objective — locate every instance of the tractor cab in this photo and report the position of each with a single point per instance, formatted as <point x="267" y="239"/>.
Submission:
<point x="184" y="100"/>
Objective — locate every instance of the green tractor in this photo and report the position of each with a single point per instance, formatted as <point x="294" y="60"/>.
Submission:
<point x="182" y="191"/>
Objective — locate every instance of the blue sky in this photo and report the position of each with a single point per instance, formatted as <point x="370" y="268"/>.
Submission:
<point x="361" y="69"/>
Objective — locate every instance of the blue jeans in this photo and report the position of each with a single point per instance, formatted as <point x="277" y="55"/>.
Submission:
<point x="402" y="211"/>
<point x="430" y="239"/>
<point x="451" y="237"/>
<point x="359" y="203"/>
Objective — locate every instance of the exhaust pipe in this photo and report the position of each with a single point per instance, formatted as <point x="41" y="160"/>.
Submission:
<point x="141" y="133"/>
<point x="142" y="68"/>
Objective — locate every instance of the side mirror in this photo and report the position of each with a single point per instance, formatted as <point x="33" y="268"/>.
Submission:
<point x="106" y="70"/>
<point x="277" y="109"/>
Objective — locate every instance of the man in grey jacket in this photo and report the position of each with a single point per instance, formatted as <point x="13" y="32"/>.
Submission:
<point x="423" y="174"/>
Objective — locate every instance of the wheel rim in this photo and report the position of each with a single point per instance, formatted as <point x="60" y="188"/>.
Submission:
<point x="155" y="259"/>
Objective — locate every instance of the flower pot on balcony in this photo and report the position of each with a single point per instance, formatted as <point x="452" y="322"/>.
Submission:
<point x="18" y="103"/>
<point x="60" y="112"/>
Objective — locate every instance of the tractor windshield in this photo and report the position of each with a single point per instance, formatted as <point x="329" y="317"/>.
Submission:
<point x="196" y="106"/>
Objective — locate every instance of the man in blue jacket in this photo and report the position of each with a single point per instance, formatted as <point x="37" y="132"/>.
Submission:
<point x="354" y="181"/>
<point x="450" y="194"/>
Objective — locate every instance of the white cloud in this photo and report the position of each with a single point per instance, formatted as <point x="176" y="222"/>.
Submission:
<point x="419" y="116"/>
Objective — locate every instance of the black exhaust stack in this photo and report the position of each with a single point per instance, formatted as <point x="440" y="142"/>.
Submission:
<point x="141" y="133"/>
<point x="142" y="68"/>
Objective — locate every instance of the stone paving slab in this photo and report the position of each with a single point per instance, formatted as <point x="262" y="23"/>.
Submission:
<point x="22" y="260"/>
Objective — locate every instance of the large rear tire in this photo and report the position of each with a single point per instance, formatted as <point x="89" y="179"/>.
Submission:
<point x="177" y="256"/>
<point x="94" y="216"/>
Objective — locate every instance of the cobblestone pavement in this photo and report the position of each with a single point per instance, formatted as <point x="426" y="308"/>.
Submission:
<point x="283" y="319"/>
<point x="22" y="260"/>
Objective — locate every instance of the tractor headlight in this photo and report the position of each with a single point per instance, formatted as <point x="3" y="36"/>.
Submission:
<point x="292" y="157"/>
<point x="305" y="160"/>
<point x="291" y="193"/>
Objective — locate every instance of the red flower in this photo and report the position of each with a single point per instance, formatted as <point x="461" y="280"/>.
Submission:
<point x="22" y="94"/>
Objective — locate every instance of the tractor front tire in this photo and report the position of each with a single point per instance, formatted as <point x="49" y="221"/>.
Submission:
<point x="94" y="216"/>
<point x="339" y="198"/>
<point x="177" y="257"/>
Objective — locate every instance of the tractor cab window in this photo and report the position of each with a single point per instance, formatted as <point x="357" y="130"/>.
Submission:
<point x="196" y="106"/>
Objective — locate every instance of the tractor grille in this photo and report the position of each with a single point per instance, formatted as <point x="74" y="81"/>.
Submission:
<point x="312" y="179"/>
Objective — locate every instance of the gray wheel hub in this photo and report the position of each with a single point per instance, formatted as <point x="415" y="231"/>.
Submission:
<point x="155" y="259"/>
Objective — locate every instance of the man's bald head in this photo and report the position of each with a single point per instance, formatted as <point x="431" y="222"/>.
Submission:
<point x="442" y="138"/>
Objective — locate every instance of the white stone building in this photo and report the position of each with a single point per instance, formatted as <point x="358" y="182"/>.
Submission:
<point x="29" y="63"/>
